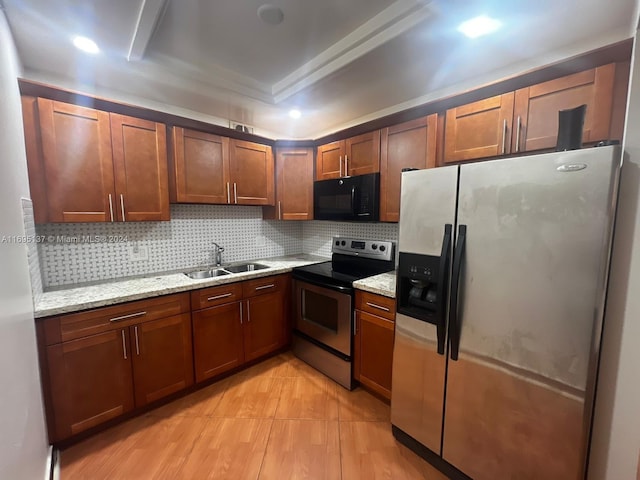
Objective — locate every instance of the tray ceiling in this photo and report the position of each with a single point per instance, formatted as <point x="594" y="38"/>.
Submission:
<point x="340" y="62"/>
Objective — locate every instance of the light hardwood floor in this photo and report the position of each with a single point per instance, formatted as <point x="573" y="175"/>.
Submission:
<point x="280" y="419"/>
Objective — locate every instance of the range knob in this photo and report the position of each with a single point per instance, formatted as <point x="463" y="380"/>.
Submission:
<point x="375" y="246"/>
<point x="382" y="248"/>
<point x="343" y="243"/>
<point x="337" y="243"/>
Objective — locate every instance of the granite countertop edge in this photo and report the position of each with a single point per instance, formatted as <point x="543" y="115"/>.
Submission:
<point x="383" y="284"/>
<point x="77" y="298"/>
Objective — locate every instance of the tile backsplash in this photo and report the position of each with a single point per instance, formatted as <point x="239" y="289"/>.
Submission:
<point x="32" y="249"/>
<point x="88" y="252"/>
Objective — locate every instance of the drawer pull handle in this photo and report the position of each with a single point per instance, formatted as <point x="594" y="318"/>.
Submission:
<point x="379" y="307"/>
<point x="262" y="287"/>
<point x="218" y="297"/>
<point x="126" y="317"/>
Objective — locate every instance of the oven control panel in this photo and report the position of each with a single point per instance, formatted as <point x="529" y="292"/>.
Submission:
<point x="378" y="249"/>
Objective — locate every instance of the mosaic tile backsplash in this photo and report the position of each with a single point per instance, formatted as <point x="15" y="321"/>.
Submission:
<point x="88" y="252"/>
<point x="103" y="251"/>
<point x="32" y="249"/>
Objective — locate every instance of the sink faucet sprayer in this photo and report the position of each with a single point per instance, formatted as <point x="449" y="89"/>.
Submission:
<point x="217" y="253"/>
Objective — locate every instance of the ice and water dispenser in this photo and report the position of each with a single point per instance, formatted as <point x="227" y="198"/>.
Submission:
<point x="422" y="287"/>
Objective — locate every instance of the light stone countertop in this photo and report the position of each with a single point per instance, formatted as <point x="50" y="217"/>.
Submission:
<point x="78" y="298"/>
<point x="383" y="284"/>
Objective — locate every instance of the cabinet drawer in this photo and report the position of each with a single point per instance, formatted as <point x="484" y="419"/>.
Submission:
<point x="384" y="307"/>
<point x="251" y="288"/>
<point x="210" y="297"/>
<point x="91" y="322"/>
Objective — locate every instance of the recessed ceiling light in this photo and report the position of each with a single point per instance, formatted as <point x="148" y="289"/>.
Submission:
<point x="478" y="26"/>
<point x="295" y="113"/>
<point x="270" y="14"/>
<point x="86" y="44"/>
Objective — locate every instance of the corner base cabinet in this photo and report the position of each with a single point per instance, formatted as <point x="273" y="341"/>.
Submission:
<point x="373" y="341"/>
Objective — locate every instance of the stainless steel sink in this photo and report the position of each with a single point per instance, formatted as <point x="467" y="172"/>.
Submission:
<point x="200" y="274"/>
<point x="245" y="267"/>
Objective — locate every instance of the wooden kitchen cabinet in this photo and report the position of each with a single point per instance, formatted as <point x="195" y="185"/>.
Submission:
<point x="140" y="165"/>
<point x="479" y="129"/>
<point x="93" y="166"/>
<point x="90" y="382"/>
<point x="407" y="145"/>
<point x="252" y="173"/>
<point x="99" y="364"/>
<point x="217" y="340"/>
<point x="162" y="357"/>
<point x="200" y="167"/>
<point x="354" y="156"/>
<point x="373" y="342"/>
<point x="536" y="107"/>
<point x="294" y="185"/>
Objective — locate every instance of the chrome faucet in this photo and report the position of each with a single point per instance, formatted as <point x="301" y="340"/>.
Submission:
<point x="217" y="253"/>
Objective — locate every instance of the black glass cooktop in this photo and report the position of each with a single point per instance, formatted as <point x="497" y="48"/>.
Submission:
<point x="341" y="272"/>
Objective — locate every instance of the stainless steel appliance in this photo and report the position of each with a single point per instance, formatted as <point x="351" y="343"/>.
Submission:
<point x="500" y="296"/>
<point x="349" y="198"/>
<point x="323" y="304"/>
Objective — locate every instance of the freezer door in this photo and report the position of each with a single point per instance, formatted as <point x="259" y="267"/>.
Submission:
<point x="538" y="233"/>
<point x="428" y="203"/>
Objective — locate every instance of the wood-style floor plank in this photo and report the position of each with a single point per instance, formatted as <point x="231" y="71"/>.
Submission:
<point x="230" y="448"/>
<point x="302" y="449"/>
<point x="279" y="419"/>
<point x="370" y="452"/>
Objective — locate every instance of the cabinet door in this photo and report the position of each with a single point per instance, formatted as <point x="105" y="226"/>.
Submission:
<point x="200" y="167"/>
<point x="408" y="145"/>
<point x="162" y="357"/>
<point x="536" y="108"/>
<point x="329" y="160"/>
<point x="362" y="154"/>
<point x="217" y="340"/>
<point x="140" y="165"/>
<point x="265" y="324"/>
<point x="77" y="162"/>
<point x="252" y="173"/>
<point x="375" y="352"/>
<point x="480" y="129"/>
<point x="294" y="174"/>
<point x="90" y="381"/>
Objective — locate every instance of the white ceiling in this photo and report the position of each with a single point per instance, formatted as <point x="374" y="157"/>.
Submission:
<point x="341" y="62"/>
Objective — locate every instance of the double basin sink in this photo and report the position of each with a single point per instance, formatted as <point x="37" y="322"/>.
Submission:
<point x="220" y="271"/>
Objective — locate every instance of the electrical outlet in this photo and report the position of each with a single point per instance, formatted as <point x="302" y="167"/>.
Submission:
<point x="260" y="241"/>
<point x="138" y="253"/>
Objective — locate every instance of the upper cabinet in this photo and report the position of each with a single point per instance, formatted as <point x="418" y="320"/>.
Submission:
<point x="527" y="120"/>
<point x="294" y="185"/>
<point x="200" y="167"/>
<point x="354" y="156"/>
<point x="86" y="165"/>
<point x="407" y="145"/>
<point x="208" y="168"/>
<point x="479" y="129"/>
<point x="536" y="108"/>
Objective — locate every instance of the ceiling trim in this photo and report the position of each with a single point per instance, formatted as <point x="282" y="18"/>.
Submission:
<point x="151" y="12"/>
<point x="396" y="19"/>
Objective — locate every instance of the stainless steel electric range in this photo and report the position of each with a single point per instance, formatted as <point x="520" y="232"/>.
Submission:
<point x="323" y="304"/>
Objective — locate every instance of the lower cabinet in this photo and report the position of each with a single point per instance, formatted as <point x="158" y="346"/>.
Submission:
<point x="373" y="342"/>
<point x="254" y="324"/>
<point x="99" y="364"/>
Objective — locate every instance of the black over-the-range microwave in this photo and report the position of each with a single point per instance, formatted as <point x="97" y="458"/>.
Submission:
<point x="355" y="199"/>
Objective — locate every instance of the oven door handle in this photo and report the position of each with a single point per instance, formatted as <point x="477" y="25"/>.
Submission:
<point x="320" y="283"/>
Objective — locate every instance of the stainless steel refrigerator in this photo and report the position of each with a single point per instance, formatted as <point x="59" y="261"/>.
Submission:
<point x="500" y="296"/>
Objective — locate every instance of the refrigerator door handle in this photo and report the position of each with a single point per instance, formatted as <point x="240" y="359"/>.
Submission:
<point x="445" y="257"/>
<point x="454" y="327"/>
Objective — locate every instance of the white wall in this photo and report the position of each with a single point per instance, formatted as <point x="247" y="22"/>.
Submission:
<point x="23" y="439"/>
<point x="616" y="434"/>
